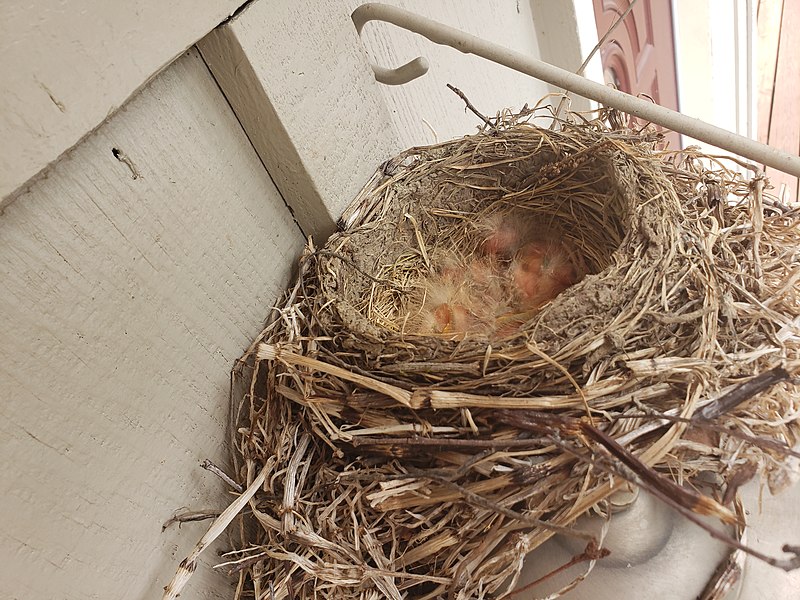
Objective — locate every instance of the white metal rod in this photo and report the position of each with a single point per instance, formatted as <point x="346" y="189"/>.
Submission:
<point x="470" y="44"/>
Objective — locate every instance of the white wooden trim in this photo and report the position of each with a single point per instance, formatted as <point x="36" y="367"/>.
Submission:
<point x="66" y="66"/>
<point x="123" y="306"/>
<point x="567" y="34"/>
<point x="299" y="81"/>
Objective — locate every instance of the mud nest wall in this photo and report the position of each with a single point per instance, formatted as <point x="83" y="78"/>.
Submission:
<point x="408" y="464"/>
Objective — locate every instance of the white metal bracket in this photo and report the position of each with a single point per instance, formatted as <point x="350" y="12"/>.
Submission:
<point x="648" y="111"/>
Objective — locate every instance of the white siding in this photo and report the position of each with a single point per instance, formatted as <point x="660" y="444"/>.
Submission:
<point x="123" y="304"/>
<point x="67" y="65"/>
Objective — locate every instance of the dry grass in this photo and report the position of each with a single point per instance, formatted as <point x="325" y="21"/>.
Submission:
<point x="400" y="465"/>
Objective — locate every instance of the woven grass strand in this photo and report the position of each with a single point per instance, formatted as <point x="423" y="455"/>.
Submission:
<point x="685" y="294"/>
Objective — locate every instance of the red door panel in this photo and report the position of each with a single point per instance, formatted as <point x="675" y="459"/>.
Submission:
<point x="639" y="57"/>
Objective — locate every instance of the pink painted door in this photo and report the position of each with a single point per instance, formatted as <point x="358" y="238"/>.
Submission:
<point x="639" y="56"/>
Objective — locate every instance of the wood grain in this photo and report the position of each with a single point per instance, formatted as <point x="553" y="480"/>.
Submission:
<point x="123" y="304"/>
<point x="67" y="65"/>
<point x="300" y="84"/>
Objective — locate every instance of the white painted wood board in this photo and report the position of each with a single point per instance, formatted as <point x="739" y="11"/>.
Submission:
<point x="300" y="82"/>
<point x="298" y="79"/>
<point x="124" y="303"/>
<point x="425" y="111"/>
<point x="67" y="65"/>
<point x="567" y="34"/>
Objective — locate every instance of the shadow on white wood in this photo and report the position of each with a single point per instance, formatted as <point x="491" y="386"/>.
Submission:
<point x="124" y="303"/>
<point x="567" y="34"/>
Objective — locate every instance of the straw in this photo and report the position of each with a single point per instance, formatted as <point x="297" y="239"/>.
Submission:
<point x="404" y="463"/>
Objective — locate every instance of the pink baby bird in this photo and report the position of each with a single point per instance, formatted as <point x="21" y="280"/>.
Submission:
<point x="540" y="272"/>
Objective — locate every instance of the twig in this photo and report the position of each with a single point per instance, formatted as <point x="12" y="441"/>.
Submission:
<point x="741" y="393"/>
<point x="275" y="352"/>
<point x="741" y="475"/>
<point x="683" y="500"/>
<point x="674" y="494"/>
<point x="240" y="565"/>
<point x="478" y="500"/>
<point x="761" y="442"/>
<point x="475" y="111"/>
<point x="592" y="552"/>
<point x="209" y="466"/>
<point x="420" y="240"/>
<point x="354" y="266"/>
<point x="125" y="160"/>
<point x="461" y="443"/>
<point x="188" y="516"/>
<point x="605" y="37"/>
<point x="534" y="348"/>
<point x="173" y="589"/>
<point x="787" y="564"/>
<point x="730" y="570"/>
<point x="757" y="210"/>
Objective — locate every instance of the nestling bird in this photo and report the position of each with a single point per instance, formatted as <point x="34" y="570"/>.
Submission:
<point x="540" y="271"/>
<point x="515" y="271"/>
<point x="462" y="296"/>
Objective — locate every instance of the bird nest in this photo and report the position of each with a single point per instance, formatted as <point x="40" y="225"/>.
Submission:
<point x="411" y="458"/>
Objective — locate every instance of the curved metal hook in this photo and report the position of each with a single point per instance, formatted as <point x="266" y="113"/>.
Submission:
<point x="403" y="74"/>
<point x="470" y="44"/>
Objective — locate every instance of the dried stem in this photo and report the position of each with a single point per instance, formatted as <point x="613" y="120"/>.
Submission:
<point x="400" y="464"/>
